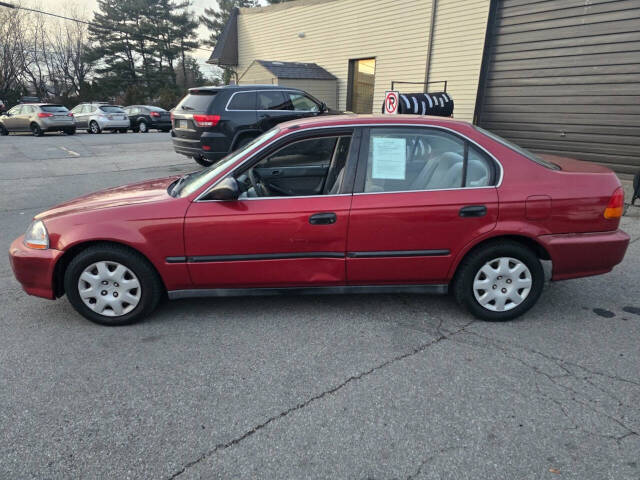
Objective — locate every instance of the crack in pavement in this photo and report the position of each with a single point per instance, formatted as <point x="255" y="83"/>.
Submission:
<point x="553" y="379"/>
<point x="222" y="446"/>
<point x="431" y="457"/>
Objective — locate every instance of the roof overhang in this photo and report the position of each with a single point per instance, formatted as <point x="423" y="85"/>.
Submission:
<point x="225" y="52"/>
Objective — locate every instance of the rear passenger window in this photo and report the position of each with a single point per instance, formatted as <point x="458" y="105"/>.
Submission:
<point x="402" y="159"/>
<point x="243" y="101"/>
<point x="273" y="100"/>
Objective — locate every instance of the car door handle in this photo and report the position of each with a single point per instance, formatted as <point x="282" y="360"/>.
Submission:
<point x="473" y="211"/>
<point x="323" y="219"/>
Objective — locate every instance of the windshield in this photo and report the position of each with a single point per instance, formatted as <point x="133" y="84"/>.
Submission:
<point x="110" y="109"/>
<point x="518" y="149"/>
<point x="198" y="179"/>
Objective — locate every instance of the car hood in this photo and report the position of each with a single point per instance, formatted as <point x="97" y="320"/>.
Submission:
<point x="135" y="193"/>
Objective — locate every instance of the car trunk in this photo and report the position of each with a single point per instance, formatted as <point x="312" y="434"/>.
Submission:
<point x="184" y="127"/>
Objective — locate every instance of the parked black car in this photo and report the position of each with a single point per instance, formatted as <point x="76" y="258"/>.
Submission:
<point x="145" y="117"/>
<point x="210" y="122"/>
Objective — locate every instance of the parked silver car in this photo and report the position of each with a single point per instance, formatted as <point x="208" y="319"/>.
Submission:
<point x="37" y="118"/>
<point x="96" y="117"/>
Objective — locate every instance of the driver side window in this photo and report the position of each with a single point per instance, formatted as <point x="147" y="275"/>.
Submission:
<point x="314" y="166"/>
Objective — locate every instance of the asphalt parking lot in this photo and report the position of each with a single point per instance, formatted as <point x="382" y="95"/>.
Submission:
<point x="353" y="387"/>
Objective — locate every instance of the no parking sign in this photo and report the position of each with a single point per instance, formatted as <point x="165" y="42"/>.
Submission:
<point x="391" y="102"/>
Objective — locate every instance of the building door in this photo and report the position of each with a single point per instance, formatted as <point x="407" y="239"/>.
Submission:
<point x="564" y="78"/>
<point x="362" y="81"/>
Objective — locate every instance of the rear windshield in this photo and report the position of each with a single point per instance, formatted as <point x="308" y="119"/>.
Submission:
<point x="518" y="149"/>
<point x="54" y="108"/>
<point x="111" y="109"/>
<point x="197" y="101"/>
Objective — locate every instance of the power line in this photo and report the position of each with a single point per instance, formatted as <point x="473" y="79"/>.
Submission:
<point x="91" y="24"/>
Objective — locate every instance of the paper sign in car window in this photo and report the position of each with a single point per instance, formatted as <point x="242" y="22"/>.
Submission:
<point x="389" y="158"/>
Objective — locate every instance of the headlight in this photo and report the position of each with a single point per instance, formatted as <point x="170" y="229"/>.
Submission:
<point x="36" y="236"/>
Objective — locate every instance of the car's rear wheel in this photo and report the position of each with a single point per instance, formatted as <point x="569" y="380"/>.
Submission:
<point x="70" y="131"/>
<point x="94" y="127"/>
<point x="143" y="127"/>
<point x="36" y="130"/>
<point x="112" y="285"/>
<point x="203" y="161"/>
<point x="123" y="130"/>
<point x="3" y="131"/>
<point x="499" y="281"/>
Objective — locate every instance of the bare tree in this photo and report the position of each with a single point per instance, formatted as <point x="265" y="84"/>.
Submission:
<point x="11" y="41"/>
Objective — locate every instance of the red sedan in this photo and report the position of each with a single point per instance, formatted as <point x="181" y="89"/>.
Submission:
<point x="345" y="204"/>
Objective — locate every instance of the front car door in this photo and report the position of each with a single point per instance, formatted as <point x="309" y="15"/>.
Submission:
<point x="288" y="228"/>
<point x="23" y="118"/>
<point x="421" y="195"/>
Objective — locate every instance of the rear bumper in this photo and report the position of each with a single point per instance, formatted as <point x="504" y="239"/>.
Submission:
<point x="51" y="125"/>
<point x="34" y="268"/>
<point x="584" y="254"/>
<point x="193" y="147"/>
<point x="113" y="124"/>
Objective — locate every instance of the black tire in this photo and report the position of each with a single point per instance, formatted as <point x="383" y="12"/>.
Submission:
<point x="143" y="127"/>
<point x="165" y="130"/>
<point x="150" y="284"/>
<point x="36" y="130"/>
<point x="123" y="130"/>
<point x="203" y="161"/>
<point x="3" y="131"/>
<point x="471" y="265"/>
<point x="94" y="127"/>
<point x="70" y="131"/>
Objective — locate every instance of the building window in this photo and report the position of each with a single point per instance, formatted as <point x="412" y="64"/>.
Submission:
<point x="362" y="80"/>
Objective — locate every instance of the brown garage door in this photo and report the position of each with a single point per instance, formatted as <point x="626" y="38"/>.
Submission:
<point x="563" y="77"/>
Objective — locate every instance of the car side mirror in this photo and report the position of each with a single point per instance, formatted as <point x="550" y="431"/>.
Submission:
<point x="227" y="189"/>
<point x="323" y="107"/>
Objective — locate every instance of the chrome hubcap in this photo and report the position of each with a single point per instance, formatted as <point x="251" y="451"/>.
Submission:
<point x="143" y="127"/>
<point x="109" y="289"/>
<point x="502" y="284"/>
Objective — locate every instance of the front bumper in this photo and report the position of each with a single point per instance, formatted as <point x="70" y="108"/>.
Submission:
<point x="584" y="254"/>
<point x="34" y="268"/>
<point x="112" y="124"/>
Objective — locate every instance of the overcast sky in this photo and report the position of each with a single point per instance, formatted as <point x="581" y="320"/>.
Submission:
<point x="60" y="6"/>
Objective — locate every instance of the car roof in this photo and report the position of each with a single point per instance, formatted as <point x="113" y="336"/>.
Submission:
<point x="351" y="119"/>
<point x="245" y="87"/>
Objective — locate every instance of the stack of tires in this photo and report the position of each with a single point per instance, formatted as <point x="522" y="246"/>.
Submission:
<point x="439" y="104"/>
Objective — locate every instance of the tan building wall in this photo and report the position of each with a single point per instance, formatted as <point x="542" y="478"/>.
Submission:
<point x="456" y="55"/>
<point x="256" y="74"/>
<point x="394" y="32"/>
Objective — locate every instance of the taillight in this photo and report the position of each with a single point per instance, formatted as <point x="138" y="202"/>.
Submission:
<point x="206" y="120"/>
<point x="155" y="114"/>
<point x="45" y="115"/>
<point x="69" y="114"/>
<point x="615" y="206"/>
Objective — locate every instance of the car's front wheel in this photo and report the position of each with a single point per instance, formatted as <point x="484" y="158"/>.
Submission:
<point x="143" y="127"/>
<point x="3" y="131"/>
<point x="112" y="285"/>
<point x="70" y="131"/>
<point x="499" y="281"/>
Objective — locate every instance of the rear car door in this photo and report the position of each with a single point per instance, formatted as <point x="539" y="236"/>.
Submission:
<point x="422" y="194"/>
<point x="11" y="119"/>
<point x="278" y="233"/>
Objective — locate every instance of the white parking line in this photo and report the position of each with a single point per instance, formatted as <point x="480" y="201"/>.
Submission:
<point x="70" y="152"/>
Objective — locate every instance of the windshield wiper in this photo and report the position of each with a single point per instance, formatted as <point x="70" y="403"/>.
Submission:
<point x="187" y="107"/>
